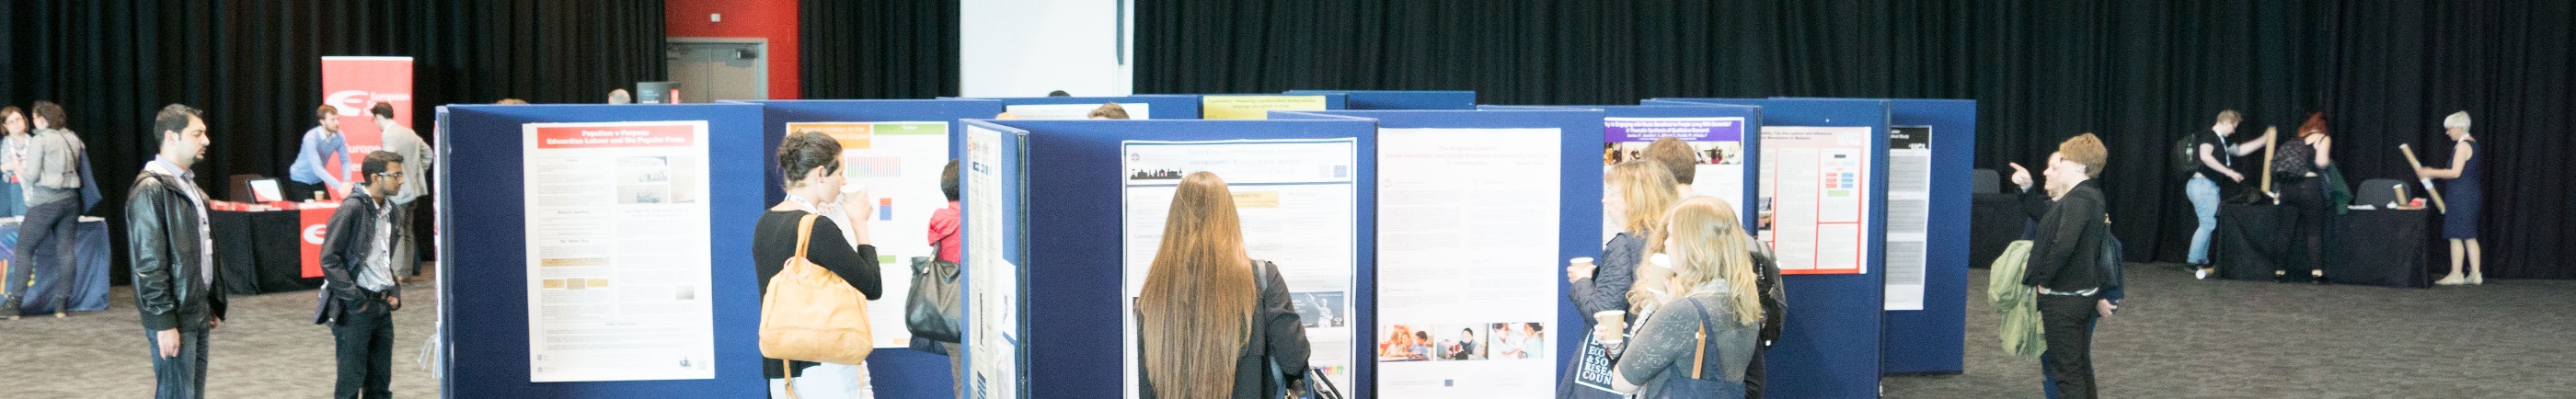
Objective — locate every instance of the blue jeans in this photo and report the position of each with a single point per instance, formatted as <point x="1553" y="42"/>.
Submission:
<point x="182" y="376"/>
<point x="2204" y="203"/>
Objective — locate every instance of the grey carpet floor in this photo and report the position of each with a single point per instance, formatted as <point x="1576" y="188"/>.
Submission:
<point x="2182" y="338"/>
<point x="2175" y="338"/>
<point x="267" y="348"/>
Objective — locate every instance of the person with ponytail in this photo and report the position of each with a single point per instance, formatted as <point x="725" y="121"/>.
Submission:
<point x="1207" y="328"/>
<point x="1703" y="335"/>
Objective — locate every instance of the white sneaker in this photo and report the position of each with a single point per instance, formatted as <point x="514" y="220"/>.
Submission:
<point x="2200" y="274"/>
<point x="2477" y="279"/>
<point x="2453" y="279"/>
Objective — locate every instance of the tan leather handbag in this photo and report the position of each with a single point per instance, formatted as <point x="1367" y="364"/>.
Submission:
<point x="811" y="314"/>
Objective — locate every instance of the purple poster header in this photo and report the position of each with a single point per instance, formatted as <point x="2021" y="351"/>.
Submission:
<point x="1624" y="130"/>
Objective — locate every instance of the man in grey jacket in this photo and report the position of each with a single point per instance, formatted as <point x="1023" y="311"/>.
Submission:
<point x="416" y="156"/>
<point x="53" y="190"/>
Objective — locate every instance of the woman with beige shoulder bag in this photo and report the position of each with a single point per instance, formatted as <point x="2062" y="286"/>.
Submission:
<point x="815" y="277"/>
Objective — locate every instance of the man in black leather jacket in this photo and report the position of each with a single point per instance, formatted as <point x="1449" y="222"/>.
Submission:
<point x="174" y="278"/>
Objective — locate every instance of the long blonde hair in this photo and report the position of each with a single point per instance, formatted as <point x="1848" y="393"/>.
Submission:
<point x="1198" y="298"/>
<point x="1648" y="189"/>
<point x="1713" y="247"/>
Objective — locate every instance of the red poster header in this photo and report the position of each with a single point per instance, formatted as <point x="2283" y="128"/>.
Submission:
<point x="627" y="136"/>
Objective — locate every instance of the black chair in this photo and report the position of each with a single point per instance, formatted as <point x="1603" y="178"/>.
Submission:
<point x="1987" y="181"/>
<point x="2378" y="192"/>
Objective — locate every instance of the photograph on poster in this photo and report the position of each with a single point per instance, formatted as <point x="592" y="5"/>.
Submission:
<point x="1708" y="152"/>
<point x="1461" y="342"/>
<point x="1320" y="309"/>
<point x="1405" y="343"/>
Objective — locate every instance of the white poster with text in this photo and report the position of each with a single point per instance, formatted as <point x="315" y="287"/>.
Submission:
<point x="1298" y="203"/>
<point x="618" y="264"/>
<point x="1467" y="272"/>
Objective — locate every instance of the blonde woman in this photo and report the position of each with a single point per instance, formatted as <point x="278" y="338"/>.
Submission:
<point x="1704" y="335"/>
<point x="1634" y="195"/>
<point x="1207" y="328"/>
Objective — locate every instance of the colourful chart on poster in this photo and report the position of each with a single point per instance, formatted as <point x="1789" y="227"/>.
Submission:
<point x="897" y="165"/>
<point x="1815" y="198"/>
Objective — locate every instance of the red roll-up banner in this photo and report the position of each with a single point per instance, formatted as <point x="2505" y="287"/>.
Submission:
<point x="354" y="85"/>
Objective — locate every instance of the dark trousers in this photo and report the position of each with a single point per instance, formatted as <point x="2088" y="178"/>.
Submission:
<point x="1753" y="376"/>
<point x="2307" y="199"/>
<point x="49" y="227"/>
<point x="366" y="350"/>
<point x="2066" y="321"/>
<point x="183" y="376"/>
<point x="2049" y="384"/>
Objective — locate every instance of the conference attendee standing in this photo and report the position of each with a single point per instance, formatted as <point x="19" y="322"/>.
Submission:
<point x="810" y="164"/>
<point x="944" y="224"/>
<point x="358" y="273"/>
<point x="2298" y="175"/>
<point x="2217" y="161"/>
<point x="13" y="201"/>
<point x="1678" y="158"/>
<point x="1699" y="344"/>
<point x="172" y="252"/>
<point x="417" y="158"/>
<point x="1211" y="320"/>
<point x="2463" y="198"/>
<point x="51" y="168"/>
<point x="1634" y="196"/>
<point x="323" y="149"/>
<point x="2064" y="266"/>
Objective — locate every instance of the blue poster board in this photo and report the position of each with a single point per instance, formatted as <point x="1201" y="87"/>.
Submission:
<point x="1389" y="100"/>
<point x="483" y="207"/>
<point x="1076" y="292"/>
<point x="1930" y="341"/>
<point x="1011" y="170"/>
<point x="1830" y="344"/>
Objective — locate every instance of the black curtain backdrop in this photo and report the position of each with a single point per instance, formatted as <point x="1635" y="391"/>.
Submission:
<point x="255" y="68"/>
<point x="877" y="49"/>
<point x="2140" y="74"/>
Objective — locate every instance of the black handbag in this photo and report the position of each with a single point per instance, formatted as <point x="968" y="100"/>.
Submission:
<point x="930" y="311"/>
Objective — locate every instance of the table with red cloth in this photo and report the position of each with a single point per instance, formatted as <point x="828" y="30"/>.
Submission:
<point x="269" y="247"/>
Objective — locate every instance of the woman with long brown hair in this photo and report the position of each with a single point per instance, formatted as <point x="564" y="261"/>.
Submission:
<point x="2298" y="173"/>
<point x="1711" y="313"/>
<point x="1208" y="328"/>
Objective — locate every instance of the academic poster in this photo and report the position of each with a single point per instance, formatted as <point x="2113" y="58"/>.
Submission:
<point x="1075" y="111"/>
<point x="1468" y="272"/>
<point x="897" y="165"/>
<point x="1815" y="198"/>
<point x="1255" y="107"/>
<point x="1298" y="205"/>
<point x="992" y="281"/>
<point x="618" y="264"/>
<point x="1909" y="213"/>
<point x="1717" y="146"/>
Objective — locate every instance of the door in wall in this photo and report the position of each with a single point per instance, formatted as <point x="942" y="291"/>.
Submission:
<point x="715" y="69"/>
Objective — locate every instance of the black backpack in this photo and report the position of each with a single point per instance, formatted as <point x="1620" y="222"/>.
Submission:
<point x="2186" y="157"/>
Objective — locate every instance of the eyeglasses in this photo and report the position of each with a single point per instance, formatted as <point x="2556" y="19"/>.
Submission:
<point x="396" y="175"/>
